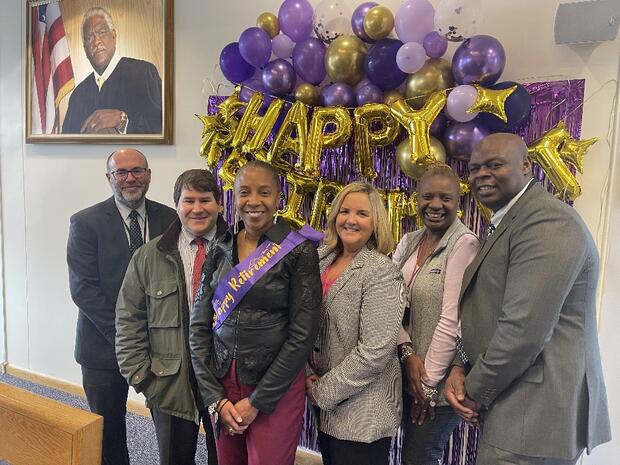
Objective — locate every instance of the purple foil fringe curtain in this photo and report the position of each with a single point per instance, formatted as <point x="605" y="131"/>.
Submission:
<point x="551" y="102"/>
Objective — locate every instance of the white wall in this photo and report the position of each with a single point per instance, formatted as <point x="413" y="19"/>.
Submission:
<point x="42" y="185"/>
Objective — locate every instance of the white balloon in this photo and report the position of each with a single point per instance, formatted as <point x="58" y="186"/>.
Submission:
<point x="459" y="100"/>
<point x="458" y="20"/>
<point x="332" y="19"/>
<point x="410" y="57"/>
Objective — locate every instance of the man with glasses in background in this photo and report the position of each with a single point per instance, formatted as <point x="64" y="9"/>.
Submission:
<point x="122" y="96"/>
<point x="102" y="239"/>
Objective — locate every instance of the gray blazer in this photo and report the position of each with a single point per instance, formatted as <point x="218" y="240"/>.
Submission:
<point x="528" y="318"/>
<point x="360" y="390"/>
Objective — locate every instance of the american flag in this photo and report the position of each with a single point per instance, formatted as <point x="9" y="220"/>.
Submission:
<point x="52" y="77"/>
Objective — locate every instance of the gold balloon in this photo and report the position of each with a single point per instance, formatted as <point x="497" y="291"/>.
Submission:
<point x="415" y="170"/>
<point x="295" y="120"/>
<point x="299" y="187"/>
<point x="229" y="169"/>
<point x="317" y="140"/>
<point x="546" y="152"/>
<point x="320" y="206"/>
<point x="344" y="59"/>
<point x="378" y="22"/>
<point x="574" y="151"/>
<point x="218" y="129"/>
<point x="418" y="123"/>
<point x="399" y="206"/>
<point x="260" y="125"/>
<point x="268" y="22"/>
<point x="436" y="74"/>
<point x="367" y="138"/>
<point x="391" y="96"/>
<point x="308" y="94"/>
<point x="492" y="101"/>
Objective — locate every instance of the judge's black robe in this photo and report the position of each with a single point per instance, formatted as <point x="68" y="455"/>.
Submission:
<point x="133" y="87"/>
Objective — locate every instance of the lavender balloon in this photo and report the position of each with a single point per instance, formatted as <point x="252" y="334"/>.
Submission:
<point x="282" y="46"/>
<point x="380" y="66"/>
<point x="234" y="67"/>
<point x="279" y="77"/>
<point x="338" y="94"/>
<point x="255" y="46"/>
<point x="461" y="138"/>
<point x="295" y="18"/>
<point x="410" y="57"/>
<point x="413" y="20"/>
<point x="368" y="93"/>
<point x="460" y="99"/>
<point x="357" y="21"/>
<point x="309" y="60"/>
<point x="479" y="59"/>
<point x="435" y="44"/>
<point x="249" y="87"/>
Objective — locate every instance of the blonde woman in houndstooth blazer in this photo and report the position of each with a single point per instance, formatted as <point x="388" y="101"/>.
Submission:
<point x="357" y="381"/>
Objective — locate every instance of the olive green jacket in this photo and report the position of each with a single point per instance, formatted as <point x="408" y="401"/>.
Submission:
<point x="152" y="327"/>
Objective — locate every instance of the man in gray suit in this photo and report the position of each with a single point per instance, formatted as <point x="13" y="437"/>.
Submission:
<point x="528" y="321"/>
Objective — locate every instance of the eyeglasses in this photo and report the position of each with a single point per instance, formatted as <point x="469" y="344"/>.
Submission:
<point x="121" y="175"/>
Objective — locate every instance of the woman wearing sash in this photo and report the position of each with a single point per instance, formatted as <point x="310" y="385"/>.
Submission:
<point x="253" y="326"/>
<point x="433" y="260"/>
<point x="357" y="385"/>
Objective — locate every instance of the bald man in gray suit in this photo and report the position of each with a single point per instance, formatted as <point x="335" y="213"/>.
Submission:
<point x="528" y="318"/>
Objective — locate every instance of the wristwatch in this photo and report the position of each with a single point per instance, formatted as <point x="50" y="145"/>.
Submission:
<point x="122" y="127"/>
<point x="404" y="351"/>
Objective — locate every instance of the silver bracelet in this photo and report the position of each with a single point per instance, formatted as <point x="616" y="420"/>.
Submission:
<point x="431" y="394"/>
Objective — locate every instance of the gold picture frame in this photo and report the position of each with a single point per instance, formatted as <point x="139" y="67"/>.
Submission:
<point x="99" y="71"/>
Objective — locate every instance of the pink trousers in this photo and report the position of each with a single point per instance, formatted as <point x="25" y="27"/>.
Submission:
<point x="270" y="439"/>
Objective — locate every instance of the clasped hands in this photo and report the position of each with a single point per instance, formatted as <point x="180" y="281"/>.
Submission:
<point x="102" y="122"/>
<point x="455" y="394"/>
<point x="235" y="418"/>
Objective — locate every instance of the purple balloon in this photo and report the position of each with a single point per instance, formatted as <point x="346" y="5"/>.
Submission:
<point x="357" y="21"/>
<point x="234" y="67"/>
<point x="369" y="93"/>
<point x="279" y="77"/>
<point x="480" y="59"/>
<point x="381" y="68"/>
<point x="255" y="46"/>
<point x="309" y="60"/>
<point x="438" y="126"/>
<point x="413" y="20"/>
<point x="282" y="46"/>
<point x="338" y="95"/>
<point x="249" y="87"/>
<point x="435" y="44"/>
<point x="517" y="107"/>
<point x="461" y="138"/>
<point x="295" y="18"/>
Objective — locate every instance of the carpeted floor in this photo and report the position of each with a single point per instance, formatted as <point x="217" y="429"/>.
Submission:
<point x="140" y="431"/>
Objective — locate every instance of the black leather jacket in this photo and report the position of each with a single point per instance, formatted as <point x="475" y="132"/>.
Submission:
<point x="270" y="332"/>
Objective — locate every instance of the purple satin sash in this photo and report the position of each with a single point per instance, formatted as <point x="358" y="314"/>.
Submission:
<point x="240" y="279"/>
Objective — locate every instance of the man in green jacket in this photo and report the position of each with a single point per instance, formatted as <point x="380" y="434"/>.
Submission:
<point x="152" y="318"/>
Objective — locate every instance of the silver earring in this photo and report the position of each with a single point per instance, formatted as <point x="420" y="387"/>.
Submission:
<point x="236" y="224"/>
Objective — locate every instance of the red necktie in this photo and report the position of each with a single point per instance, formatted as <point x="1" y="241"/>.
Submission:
<point x="199" y="261"/>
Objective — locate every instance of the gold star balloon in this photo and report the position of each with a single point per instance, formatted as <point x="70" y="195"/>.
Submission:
<point x="573" y="151"/>
<point x="492" y="101"/>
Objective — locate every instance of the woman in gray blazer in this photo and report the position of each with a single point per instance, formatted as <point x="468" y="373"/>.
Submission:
<point x="357" y="380"/>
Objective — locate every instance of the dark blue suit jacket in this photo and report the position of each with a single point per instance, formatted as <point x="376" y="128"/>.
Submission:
<point x="98" y="255"/>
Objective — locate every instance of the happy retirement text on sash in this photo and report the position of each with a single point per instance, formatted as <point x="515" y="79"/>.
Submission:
<point x="240" y="279"/>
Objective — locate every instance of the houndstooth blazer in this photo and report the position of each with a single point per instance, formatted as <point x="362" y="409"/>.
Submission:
<point x="360" y="391"/>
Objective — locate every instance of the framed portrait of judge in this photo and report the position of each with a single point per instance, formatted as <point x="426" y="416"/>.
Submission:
<point x="99" y="71"/>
